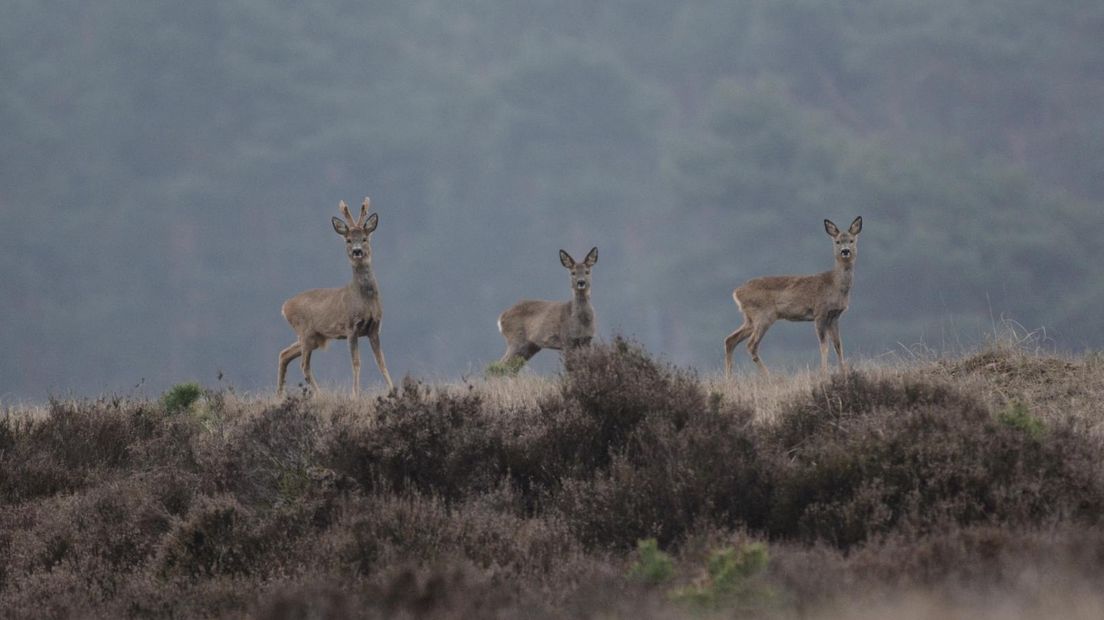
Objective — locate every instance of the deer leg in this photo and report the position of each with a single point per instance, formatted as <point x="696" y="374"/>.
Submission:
<point x="308" y="348"/>
<point x="286" y="356"/>
<point x="527" y="351"/>
<point x="354" y="352"/>
<point x="524" y="350"/>
<point x="731" y="341"/>
<point x="511" y="352"/>
<point x="833" y="332"/>
<point x="822" y="327"/>
<point x="753" y="345"/>
<point x="374" y="340"/>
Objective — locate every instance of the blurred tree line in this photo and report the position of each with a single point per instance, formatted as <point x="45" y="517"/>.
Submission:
<point x="169" y="170"/>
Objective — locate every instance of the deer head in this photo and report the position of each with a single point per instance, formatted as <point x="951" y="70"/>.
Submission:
<point x="356" y="233"/>
<point x="580" y="272"/>
<point x="846" y="243"/>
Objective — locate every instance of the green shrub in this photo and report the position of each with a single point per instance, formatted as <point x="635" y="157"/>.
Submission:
<point x="181" y="397"/>
<point x="733" y="579"/>
<point x="509" y="368"/>
<point x="652" y="566"/>
<point x="1019" y="417"/>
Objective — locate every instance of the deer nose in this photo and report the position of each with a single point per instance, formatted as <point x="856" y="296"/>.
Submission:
<point x="358" y="253"/>
<point x="581" y="284"/>
<point x="846" y="253"/>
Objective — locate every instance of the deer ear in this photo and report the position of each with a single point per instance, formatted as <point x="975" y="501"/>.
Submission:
<point x="831" y="228"/>
<point x="340" y="227"/>
<point x="566" y="260"/>
<point x="856" y="226"/>
<point x="372" y="222"/>
<point x="591" y="257"/>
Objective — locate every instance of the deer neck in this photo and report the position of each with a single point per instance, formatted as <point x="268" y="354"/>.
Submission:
<point x="580" y="302"/>
<point x="364" y="282"/>
<point x="842" y="276"/>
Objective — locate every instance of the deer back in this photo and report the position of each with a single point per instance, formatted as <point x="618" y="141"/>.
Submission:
<point x="537" y="321"/>
<point x="794" y="298"/>
<point x="322" y="312"/>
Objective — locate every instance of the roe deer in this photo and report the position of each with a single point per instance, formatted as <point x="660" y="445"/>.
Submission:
<point x="820" y="298"/>
<point x="325" y="314"/>
<point x="531" y="325"/>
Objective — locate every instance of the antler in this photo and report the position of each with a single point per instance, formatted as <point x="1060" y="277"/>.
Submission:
<point x="348" y="216"/>
<point x="364" y="211"/>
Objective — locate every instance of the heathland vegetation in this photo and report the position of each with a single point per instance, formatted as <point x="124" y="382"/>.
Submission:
<point x="971" y="486"/>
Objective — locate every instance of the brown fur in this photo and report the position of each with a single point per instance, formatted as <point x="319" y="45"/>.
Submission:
<point x="349" y="312"/>
<point x="820" y="298"/>
<point x="531" y="325"/>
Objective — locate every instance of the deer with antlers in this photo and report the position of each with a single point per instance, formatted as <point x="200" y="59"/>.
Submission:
<point x="349" y="312"/>
<point x="820" y="298"/>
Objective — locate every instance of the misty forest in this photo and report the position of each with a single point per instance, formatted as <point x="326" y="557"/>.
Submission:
<point x="170" y="170"/>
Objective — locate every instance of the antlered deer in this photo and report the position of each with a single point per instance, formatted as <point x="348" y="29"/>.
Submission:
<point x="349" y="312"/>
<point x="531" y="325"/>
<point x="820" y="298"/>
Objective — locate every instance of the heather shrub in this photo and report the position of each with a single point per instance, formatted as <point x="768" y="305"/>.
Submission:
<point x="849" y="398"/>
<point x="671" y="479"/>
<point x="607" y="391"/>
<point x="266" y="458"/>
<point x="222" y="537"/>
<point x="543" y="448"/>
<point x="218" y="537"/>
<point x="1022" y="566"/>
<point x="908" y="453"/>
<point x="71" y="446"/>
<point x="389" y="529"/>
<point x="97" y="539"/>
<point x="450" y="502"/>
<point x="443" y="590"/>
<point x="618" y="385"/>
<point x="431" y="442"/>
<point x="293" y="600"/>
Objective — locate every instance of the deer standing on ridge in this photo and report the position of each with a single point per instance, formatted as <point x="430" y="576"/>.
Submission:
<point x="820" y="298"/>
<point x="349" y="312"/>
<point x="531" y="325"/>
